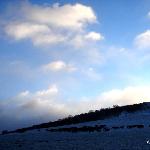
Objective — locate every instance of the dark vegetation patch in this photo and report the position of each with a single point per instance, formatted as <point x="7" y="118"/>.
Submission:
<point x="135" y="126"/>
<point x="81" y="129"/>
<point x="116" y="127"/>
<point x="97" y="128"/>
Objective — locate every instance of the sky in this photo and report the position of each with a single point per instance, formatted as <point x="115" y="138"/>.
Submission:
<point x="60" y="58"/>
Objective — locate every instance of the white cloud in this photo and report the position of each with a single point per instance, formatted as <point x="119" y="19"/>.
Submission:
<point x="25" y="30"/>
<point x="68" y="16"/>
<point x="24" y="94"/>
<point x="94" y="36"/>
<point x="45" y="39"/>
<point x="37" y="33"/>
<point x="59" y="66"/>
<point x="81" y="40"/>
<point x="47" y="25"/>
<point x="52" y="90"/>
<point x="126" y="96"/>
<point x="142" y="41"/>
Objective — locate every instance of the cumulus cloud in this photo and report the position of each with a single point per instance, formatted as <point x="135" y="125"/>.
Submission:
<point x="44" y="24"/>
<point x="49" y="104"/>
<point x="81" y="40"/>
<point x="37" y="33"/>
<point x="25" y="30"/>
<point x="94" y="36"/>
<point x="59" y="66"/>
<point x="68" y="16"/>
<point x="142" y="41"/>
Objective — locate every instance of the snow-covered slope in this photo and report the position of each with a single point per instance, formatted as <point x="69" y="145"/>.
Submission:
<point x="141" y="117"/>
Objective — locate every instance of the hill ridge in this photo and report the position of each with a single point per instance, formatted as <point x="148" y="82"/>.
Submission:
<point x="101" y="114"/>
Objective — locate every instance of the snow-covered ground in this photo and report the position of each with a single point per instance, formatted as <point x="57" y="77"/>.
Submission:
<point x="119" y="139"/>
<point x="131" y="139"/>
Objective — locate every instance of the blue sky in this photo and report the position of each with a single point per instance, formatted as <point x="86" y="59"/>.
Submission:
<point x="69" y="57"/>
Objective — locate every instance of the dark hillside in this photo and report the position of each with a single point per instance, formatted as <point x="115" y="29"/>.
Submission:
<point x="90" y="116"/>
